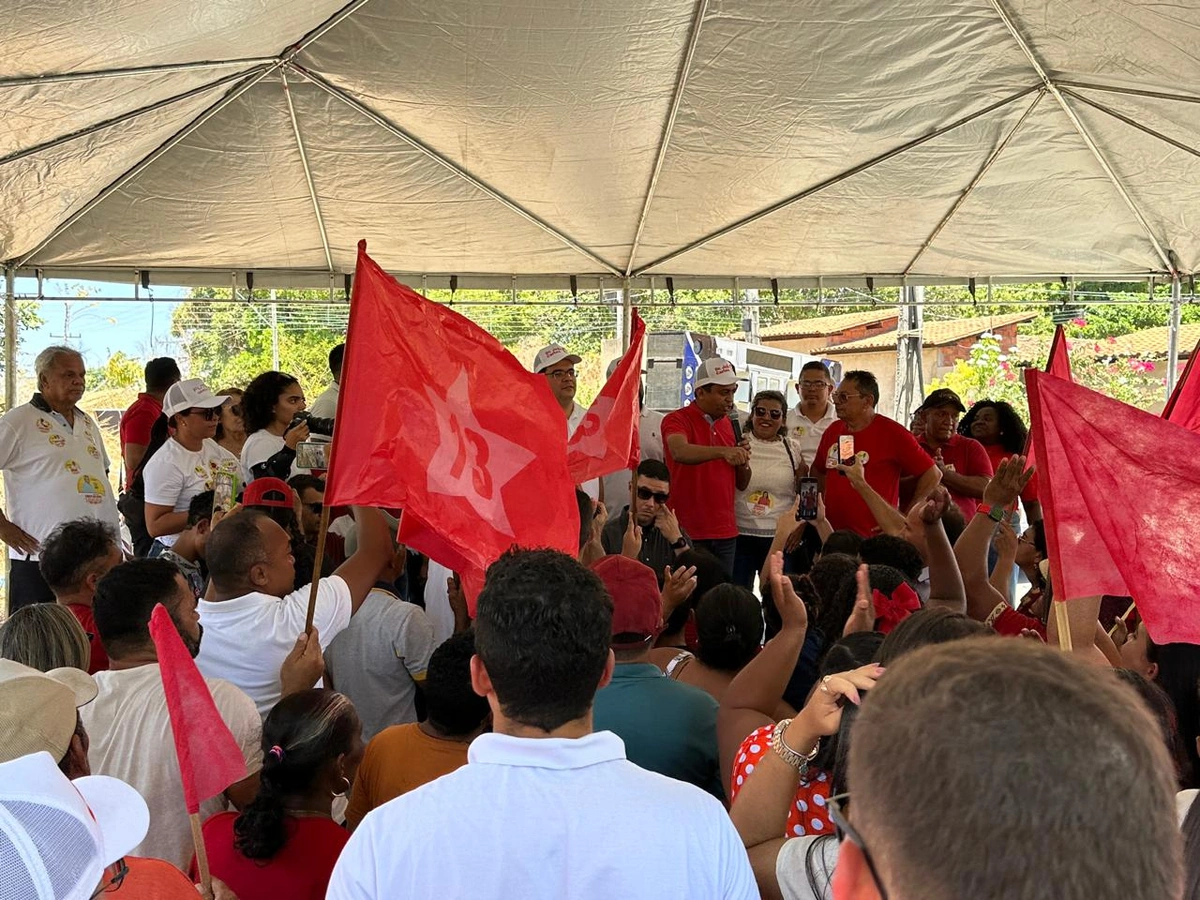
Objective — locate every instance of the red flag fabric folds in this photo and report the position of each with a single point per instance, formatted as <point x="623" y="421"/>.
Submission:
<point x="437" y="417"/>
<point x="1058" y="363"/>
<point x="607" y="438"/>
<point x="1184" y="406"/>
<point x="209" y="757"/>
<point x="1120" y="489"/>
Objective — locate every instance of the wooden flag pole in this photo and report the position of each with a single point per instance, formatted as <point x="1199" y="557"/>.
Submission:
<point x="1064" y="625"/>
<point x="206" y="890"/>
<point x="316" y="575"/>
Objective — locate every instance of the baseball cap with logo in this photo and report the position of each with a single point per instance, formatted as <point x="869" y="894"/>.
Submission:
<point x="190" y="394"/>
<point x="57" y="836"/>
<point x="637" y="602"/>
<point x="716" y="371"/>
<point x="37" y="709"/>
<point x="268" y="492"/>
<point x="548" y="356"/>
<point x="942" y="397"/>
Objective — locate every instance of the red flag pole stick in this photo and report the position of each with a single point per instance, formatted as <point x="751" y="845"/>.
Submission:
<point x="206" y="890"/>
<point x="316" y="575"/>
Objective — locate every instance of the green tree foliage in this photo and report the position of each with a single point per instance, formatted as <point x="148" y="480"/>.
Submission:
<point x="120" y="371"/>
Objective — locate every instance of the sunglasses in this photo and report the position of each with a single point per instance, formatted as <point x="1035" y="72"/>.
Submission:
<point x="846" y="830"/>
<point x="209" y="414"/>
<point x="646" y="494"/>
<point x="773" y="413"/>
<point x="120" y="870"/>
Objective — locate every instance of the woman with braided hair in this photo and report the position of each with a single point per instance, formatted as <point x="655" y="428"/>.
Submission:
<point x="285" y="843"/>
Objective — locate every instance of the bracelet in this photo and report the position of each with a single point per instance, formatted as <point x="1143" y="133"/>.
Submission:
<point x="995" y="513"/>
<point x="793" y="758"/>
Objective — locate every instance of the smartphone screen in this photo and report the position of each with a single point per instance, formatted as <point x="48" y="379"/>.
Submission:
<point x="312" y="455"/>
<point x="846" y="449"/>
<point x="224" y="489"/>
<point x="808" y="500"/>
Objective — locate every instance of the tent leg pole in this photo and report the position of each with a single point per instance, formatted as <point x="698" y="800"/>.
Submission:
<point x="1173" y="333"/>
<point x="10" y="337"/>
<point x="626" y="316"/>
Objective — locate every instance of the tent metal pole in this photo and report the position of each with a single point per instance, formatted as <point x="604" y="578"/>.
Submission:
<point x="396" y="131"/>
<point x="910" y="367"/>
<point x="138" y="168"/>
<point x="10" y="337"/>
<point x="1134" y="92"/>
<point x="1173" y="332"/>
<point x="685" y="68"/>
<point x="1083" y="133"/>
<point x="829" y="182"/>
<point x="312" y="189"/>
<point x="244" y="64"/>
<point x="117" y="120"/>
<point x="979" y="176"/>
<point x="626" y="315"/>
<point x="332" y="22"/>
<point x="1145" y="129"/>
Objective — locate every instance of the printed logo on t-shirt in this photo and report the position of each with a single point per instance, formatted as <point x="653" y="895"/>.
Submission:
<point x="93" y="452"/>
<point x="72" y="466"/>
<point x="91" y="488"/>
<point x="43" y="426"/>
<point x="58" y="440"/>
<point x="832" y="459"/>
<point x="759" y="503"/>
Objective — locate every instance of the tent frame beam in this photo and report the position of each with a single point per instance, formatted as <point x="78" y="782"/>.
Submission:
<point x="244" y="64"/>
<point x="835" y="179"/>
<point x="248" y="82"/>
<point x="1082" y="131"/>
<point x="979" y="176"/>
<point x="685" y="68"/>
<point x="1133" y="92"/>
<point x="308" y="178"/>
<point x="10" y="337"/>
<point x="1133" y="123"/>
<point x="396" y="131"/>
<point x="124" y="117"/>
<point x="293" y="50"/>
<point x="1173" y="334"/>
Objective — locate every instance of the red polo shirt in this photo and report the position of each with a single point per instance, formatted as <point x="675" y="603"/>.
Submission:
<point x="701" y="495"/>
<point x="888" y="452"/>
<point x="968" y="457"/>
<point x="136" y="423"/>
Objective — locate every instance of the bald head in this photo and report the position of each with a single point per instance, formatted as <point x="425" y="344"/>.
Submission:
<point x="248" y="552"/>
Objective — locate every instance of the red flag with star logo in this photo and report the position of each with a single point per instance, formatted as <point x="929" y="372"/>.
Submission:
<point x="437" y="417"/>
<point x="607" y="439"/>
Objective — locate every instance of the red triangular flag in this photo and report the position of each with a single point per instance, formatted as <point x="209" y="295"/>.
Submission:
<point x="209" y="757"/>
<point x="1120" y="489"/>
<point x="437" y="417"/>
<point x="1184" y="406"/>
<point x="607" y="438"/>
<point x="1058" y="363"/>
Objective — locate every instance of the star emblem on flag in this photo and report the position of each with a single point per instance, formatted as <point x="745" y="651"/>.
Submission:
<point x="589" y="437"/>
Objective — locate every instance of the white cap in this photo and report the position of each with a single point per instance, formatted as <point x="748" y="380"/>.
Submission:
<point x="548" y="356"/>
<point x="188" y="394"/>
<point x="716" y="371"/>
<point x="59" y="835"/>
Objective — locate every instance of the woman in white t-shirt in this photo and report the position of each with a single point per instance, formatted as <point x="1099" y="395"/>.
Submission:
<point x="273" y="410"/>
<point x="775" y="469"/>
<point x="186" y="464"/>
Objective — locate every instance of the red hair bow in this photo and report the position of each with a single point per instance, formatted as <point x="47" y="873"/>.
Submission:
<point x="891" y="611"/>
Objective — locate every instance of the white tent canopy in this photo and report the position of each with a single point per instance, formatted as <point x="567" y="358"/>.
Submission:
<point x="520" y="144"/>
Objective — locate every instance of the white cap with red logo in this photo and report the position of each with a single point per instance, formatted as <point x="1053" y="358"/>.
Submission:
<point x="548" y="356"/>
<point x="716" y="371"/>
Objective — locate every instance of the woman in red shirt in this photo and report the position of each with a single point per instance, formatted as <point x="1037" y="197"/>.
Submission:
<point x="285" y="843"/>
<point x="996" y="425"/>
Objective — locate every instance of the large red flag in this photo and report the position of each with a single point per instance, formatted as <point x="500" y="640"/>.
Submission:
<point x="1120" y="489"/>
<point x="607" y="438"/>
<point x="209" y="757"/>
<point x="1184" y="406"/>
<point x="1058" y="363"/>
<point x="437" y="417"/>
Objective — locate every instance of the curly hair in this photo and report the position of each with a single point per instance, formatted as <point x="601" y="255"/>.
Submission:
<point x="261" y="396"/>
<point x="1012" y="430"/>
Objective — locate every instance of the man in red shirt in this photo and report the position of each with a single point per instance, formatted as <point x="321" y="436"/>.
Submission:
<point x="963" y="461"/>
<point x="137" y="421"/>
<point x="885" y="447"/>
<point x="706" y="463"/>
<point x="74" y="557"/>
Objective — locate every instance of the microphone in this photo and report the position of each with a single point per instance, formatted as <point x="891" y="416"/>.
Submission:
<point x="737" y="429"/>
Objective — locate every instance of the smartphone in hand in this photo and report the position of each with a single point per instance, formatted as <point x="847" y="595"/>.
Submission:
<point x="807" y="511"/>
<point x="846" y="449"/>
<point x="224" y="490"/>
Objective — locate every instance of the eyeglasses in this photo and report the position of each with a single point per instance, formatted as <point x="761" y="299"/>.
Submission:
<point x="842" y="397"/>
<point x="763" y="411"/>
<point x="115" y="882"/>
<point x="236" y="410"/>
<point x="209" y="414"/>
<point x="1022" y="539"/>
<point x="646" y="494"/>
<point x="561" y="374"/>
<point x="845" y="829"/>
<point x="813" y="385"/>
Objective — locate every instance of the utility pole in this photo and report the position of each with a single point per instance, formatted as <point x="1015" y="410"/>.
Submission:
<point x="274" y="332"/>
<point x="66" y="337"/>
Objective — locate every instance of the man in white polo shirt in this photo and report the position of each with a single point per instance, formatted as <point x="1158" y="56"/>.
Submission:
<point x="252" y="617"/>
<point x="545" y="808"/>
<point x="55" y="470"/>
<point x="807" y="421"/>
<point x="559" y="368"/>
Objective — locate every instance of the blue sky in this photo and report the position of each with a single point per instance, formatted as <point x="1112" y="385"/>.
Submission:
<point x="101" y="323"/>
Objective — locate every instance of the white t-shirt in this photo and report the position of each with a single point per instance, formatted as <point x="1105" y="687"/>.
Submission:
<point x="791" y="867"/>
<point x="247" y="639"/>
<point x="772" y="487"/>
<point x="547" y="818"/>
<point x="616" y="484"/>
<point x="260" y="447"/>
<point x="591" y="488"/>
<point x="130" y="738"/>
<point x="176" y="474"/>
<point x="53" y="472"/>
<point x="437" y="602"/>
<point x="325" y="406"/>
<point x="806" y="432"/>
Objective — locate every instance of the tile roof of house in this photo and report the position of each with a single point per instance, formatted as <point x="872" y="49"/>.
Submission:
<point x="825" y="325"/>
<point x="1149" y="343"/>
<point x="935" y="333"/>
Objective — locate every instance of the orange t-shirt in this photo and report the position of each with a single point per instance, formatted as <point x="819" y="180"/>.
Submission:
<point x="152" y="879"/>
<point x="397" y="760"/>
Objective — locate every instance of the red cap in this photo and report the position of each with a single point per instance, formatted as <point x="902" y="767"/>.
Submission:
<point x="268" y="492"/>
<point x="637" y="603"/>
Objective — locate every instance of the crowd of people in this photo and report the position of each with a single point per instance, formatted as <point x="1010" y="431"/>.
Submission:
<point x="684" y="709"/>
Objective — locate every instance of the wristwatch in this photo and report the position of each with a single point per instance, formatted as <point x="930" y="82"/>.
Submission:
<point x="995" y="513"/>
<point x="679" y="544"/>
